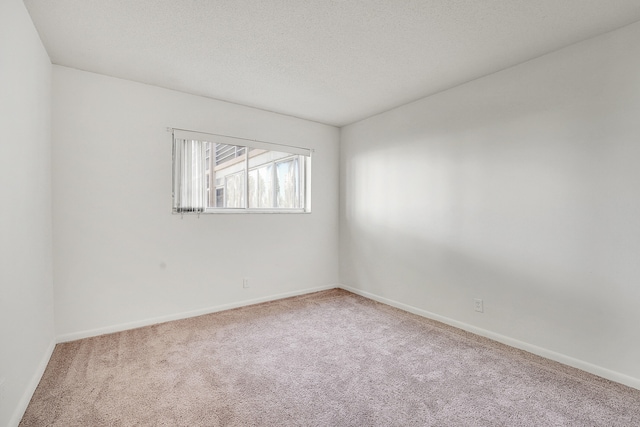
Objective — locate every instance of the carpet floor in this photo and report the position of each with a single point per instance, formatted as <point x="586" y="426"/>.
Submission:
<point x="330" y="358"/>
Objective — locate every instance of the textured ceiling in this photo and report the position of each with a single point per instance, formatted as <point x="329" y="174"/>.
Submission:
<point x="332" y="61"/>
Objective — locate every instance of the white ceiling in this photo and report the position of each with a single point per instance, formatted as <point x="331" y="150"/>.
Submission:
<point x="332" y="61"/>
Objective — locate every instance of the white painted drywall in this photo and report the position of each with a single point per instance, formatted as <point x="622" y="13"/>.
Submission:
<point x="26" y="285"/>
<point x="121" y="258"/>
<point x="521" y="188"/>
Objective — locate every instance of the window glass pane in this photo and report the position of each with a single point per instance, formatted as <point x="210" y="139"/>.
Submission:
<point x="265" y="186"/>
<point x="227" y="171"/>
<point x="261" y="187"/>
<point x="262" y="164"/>
<point x="288" y="183"/>
<point x="219" y="197"/>
<point x="234" y="190"/>
<point x="253" y="188"/>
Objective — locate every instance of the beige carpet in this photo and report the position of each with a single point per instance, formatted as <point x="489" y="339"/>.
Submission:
<point x="326" y="359"/>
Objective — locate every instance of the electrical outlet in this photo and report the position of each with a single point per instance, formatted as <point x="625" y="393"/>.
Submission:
<point x="245" y="282"/>
<point x="479" y="306"/>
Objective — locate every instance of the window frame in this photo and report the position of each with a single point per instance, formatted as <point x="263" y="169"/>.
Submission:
<point x="303" y="155"/>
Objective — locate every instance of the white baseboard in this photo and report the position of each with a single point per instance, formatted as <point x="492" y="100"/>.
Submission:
<point x="185" y="315"/>
<point x="540" y="351"/>
<point x="31" y="387"/>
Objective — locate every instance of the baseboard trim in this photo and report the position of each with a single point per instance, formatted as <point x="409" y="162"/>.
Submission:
<point x="18" y="413"/>
<point x="540" y="351"/>
<point x="185" y="315"/>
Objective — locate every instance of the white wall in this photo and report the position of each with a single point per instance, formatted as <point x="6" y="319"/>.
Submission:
<point x="26" y="293"/>
<point x="121" y="258"/>
<point x="520" y="188"/>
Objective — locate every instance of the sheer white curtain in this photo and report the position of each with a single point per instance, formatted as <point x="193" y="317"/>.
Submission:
<point x="188" y="176"/>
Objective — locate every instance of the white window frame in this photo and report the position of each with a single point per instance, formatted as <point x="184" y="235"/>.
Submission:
<point x="304" y="170"/>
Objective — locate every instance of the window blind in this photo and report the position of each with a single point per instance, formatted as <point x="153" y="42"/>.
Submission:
<point x="188" y="172"/>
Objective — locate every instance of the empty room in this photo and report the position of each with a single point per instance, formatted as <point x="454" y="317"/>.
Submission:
<point x="320" y="213"/>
